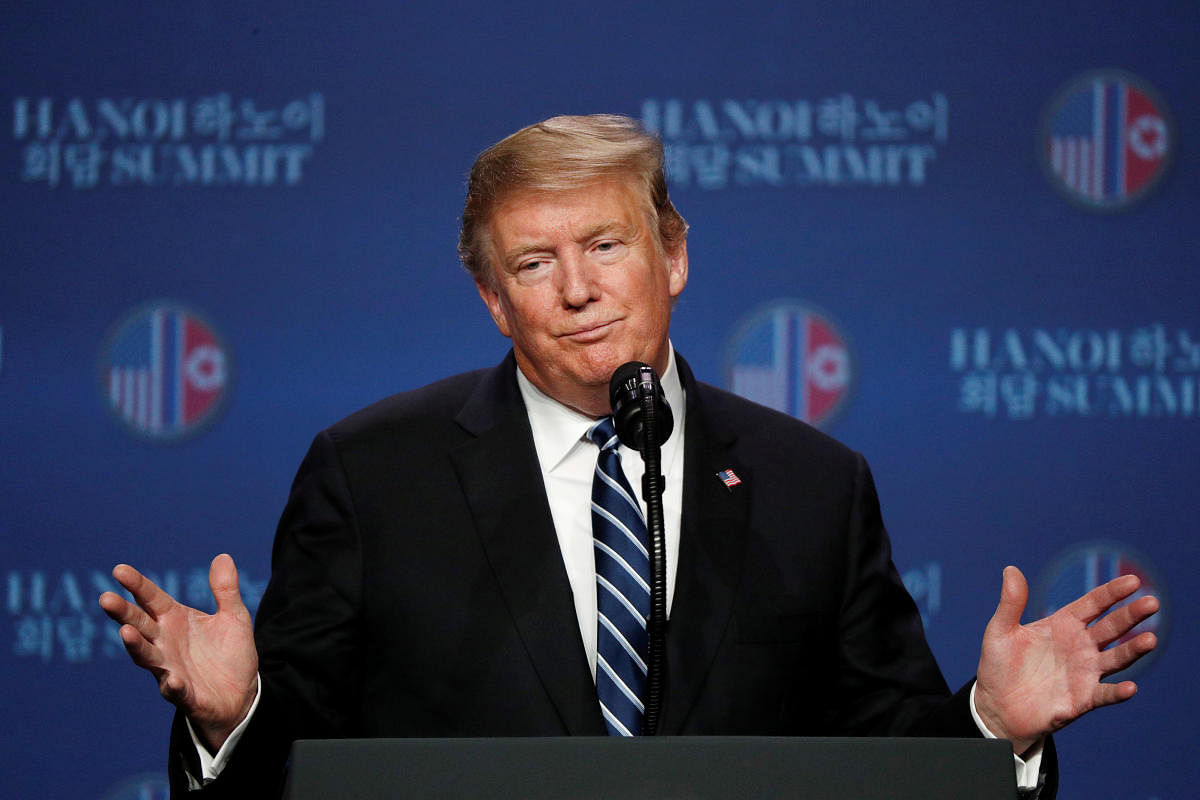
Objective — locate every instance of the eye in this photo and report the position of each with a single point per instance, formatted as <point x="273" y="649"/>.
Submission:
<point x="533" y="270"/>
<point x="609" y="249"/>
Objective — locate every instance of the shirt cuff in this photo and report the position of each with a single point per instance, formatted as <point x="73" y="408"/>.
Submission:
<point x="1028" y="768"/>
<point x="211" y="765"/>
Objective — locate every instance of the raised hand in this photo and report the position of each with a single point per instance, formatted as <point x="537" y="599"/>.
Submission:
<point x="205" y="664"/>
<point x="1034" y="679"/>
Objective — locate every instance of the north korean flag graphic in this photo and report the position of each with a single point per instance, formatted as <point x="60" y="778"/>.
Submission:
<point x="165" y="371"/>
<point x="792" y="359"/>
<point x="1090" y="565"/>
<point x="1106" y="139"/>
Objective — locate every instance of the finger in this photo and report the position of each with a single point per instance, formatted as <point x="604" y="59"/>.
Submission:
<point x="144" y="591"/>
<point x="1107" y="694"/>
<point x="223" y="580"/>
<point x="121" y="610"/>
<point x="116" y="607"/>
<point x="143" y="653"/>
<point x="1125" y="654"/>
<point x="1014" y="593"/>
<point x="1122" y="620"/>
<point x="1103" y="597"/>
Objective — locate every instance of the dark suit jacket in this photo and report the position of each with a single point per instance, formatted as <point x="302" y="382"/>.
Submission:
<point x="417" y="588"/>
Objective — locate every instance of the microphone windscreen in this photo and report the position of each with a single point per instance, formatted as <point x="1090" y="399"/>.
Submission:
<point x="631" y="384"/>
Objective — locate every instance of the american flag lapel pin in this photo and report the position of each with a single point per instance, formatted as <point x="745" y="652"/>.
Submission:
<point x="729" y="478"/>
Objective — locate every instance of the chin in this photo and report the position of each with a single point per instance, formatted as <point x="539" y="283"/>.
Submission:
<point x="601" y="371"/>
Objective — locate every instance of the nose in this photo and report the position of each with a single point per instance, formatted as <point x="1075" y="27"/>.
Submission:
<point x="576" y="282"/>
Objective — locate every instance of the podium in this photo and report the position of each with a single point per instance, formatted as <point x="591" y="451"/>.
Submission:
<point x="653" y="768"/>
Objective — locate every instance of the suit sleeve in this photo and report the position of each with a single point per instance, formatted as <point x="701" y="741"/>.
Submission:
<point x="307" y="631"/>
<point x="890" y="678"/>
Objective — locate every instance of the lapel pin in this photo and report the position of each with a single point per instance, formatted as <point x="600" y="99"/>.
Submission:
<point x="729" y="478"/>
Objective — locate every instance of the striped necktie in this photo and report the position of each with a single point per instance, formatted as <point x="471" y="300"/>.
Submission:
<point x="622" y="588"/>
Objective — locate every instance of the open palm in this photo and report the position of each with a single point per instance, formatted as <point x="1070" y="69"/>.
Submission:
<point x="1034" y="679"/>
<point x="205" y="664"/>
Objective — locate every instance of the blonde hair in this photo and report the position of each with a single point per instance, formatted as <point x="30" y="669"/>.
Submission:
<point x="559" y="155"/>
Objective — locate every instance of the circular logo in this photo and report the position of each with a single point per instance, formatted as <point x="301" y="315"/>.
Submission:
<point x="164" y="371"/>
<point x="149" y="786"/>
<point x="1089" y="565"/>
<point x="1106" y="139"/>
<point x="793" y="359"/>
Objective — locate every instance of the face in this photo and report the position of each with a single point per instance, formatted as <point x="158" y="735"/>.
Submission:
<point x="581" y="286"/>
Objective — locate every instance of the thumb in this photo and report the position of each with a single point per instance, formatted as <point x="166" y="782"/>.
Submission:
<point x="223" y="580"/>
<point x="1014" y="594"/>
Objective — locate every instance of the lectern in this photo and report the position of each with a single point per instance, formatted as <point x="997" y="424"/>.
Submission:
<point x="653" y="768"/>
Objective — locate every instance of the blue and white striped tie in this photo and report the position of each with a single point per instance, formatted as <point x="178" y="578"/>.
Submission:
<point x="622" y="588"/>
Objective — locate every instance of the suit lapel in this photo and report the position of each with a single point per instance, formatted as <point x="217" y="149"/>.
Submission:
<point x="502" y="482"/>
<point x="712" y="542"/>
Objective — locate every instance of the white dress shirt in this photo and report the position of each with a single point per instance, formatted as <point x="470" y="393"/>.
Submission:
<point x="568" y="462"/>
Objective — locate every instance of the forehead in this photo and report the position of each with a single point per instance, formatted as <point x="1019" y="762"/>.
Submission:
<point x="528" y="215"/>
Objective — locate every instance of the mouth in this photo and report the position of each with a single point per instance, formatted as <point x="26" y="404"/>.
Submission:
<point x="590" y="332"/>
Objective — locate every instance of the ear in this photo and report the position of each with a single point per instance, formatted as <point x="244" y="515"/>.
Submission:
<point x="495" y="306"/>
<point x="677" y="269"/>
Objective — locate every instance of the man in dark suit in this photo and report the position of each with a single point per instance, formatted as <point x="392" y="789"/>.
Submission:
<point x="432" y="573"/>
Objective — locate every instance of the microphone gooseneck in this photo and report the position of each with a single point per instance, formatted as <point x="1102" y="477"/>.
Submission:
<point x="643" y="421"/>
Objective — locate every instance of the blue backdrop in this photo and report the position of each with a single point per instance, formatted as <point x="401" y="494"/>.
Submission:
<point x="961" y="238"/>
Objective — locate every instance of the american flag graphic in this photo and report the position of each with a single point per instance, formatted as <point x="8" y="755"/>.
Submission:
<point x="729" y="477"/>
<point x="1107" y="139"/>
<point x="165" y="371"/>
<point x="793" y="360"/>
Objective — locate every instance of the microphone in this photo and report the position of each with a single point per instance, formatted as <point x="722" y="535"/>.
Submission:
<point x="644" y="421"/>
<point x="634" y="386"/>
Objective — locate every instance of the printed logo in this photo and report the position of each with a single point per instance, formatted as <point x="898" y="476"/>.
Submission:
<point x="793" y="359"/>
<point x="1106" y="139"/>
<point x="165" y="372"/>
<point x="1150" y="372"/>
<point x="840" y="140"/>
<point x="214" y="140"/>
<point x="1089" y="565"/>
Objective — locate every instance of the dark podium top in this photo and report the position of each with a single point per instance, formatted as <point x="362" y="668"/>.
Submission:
<point x="653" y="768"/>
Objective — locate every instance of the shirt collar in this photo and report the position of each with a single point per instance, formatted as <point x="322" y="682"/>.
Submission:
<point x="558" y="429"/>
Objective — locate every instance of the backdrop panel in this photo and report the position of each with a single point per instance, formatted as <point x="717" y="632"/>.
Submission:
<point x="961" y="239"/>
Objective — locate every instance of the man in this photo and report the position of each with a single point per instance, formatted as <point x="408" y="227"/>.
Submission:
<point x="460" y="599"/>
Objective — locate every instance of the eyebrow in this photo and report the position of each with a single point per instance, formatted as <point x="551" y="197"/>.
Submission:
<point x="607" y="226"/>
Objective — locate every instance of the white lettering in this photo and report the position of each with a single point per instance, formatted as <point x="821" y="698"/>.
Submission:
<point x="1015" y="350"/>
<point x="67" y="595"/>
<point x="76" y="119"/>
<point x="759" y="165"/>
<point x="1151" y="396"/>
<point x="38" y="124"/>
<point x="728" y="120"/>
<point x="1048" y="348"/>
<point x="1085" y="351"/>
<point x="1067" y="394"/>
<point x="133" y="163"/>
<point x="847" y="165"/>
<point x="32" y="599"/>
<point x="116" y="117"/>
<point x="227" y="164"/>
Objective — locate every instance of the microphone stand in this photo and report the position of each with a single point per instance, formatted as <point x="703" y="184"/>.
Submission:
<point x="656" y="626"/>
